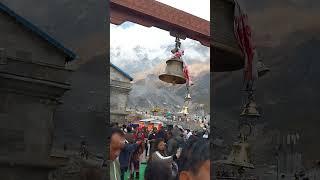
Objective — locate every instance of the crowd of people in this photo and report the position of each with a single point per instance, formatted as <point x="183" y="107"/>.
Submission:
<point x="169" y="153"/>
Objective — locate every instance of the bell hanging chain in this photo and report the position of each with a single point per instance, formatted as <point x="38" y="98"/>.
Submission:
<point x="249" y="85"/>
<point x="177" y="46"/>
<point x="178" y="43"/>
<point x="248" y="88"/>
<point x="188" y="88"/>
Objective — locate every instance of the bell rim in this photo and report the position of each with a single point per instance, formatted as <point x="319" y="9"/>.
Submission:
<point x="264" y="72"/>
<point x="249" y="115"/>
<point x="174" y="59"/>
<point x="182" y="80"/>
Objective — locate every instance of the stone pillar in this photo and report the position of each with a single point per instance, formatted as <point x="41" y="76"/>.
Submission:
<point x="29" y="94"/>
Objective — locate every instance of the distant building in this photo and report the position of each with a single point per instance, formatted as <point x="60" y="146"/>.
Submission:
<point x="120" y="86"/>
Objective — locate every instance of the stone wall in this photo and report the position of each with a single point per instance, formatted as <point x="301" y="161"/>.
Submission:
<point x="82" y="115"/>
<point x="314" y="173"/>
<point x="17" y="40"/>
<point x="32" y="78"/>
<point x="119" y="90"/>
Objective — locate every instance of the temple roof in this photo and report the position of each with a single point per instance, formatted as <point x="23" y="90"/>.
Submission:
<point x="70" y="55"/>
<point x="121" y="71"/>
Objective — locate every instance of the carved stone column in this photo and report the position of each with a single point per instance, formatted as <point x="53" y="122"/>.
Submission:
<point x="29" y="94"/>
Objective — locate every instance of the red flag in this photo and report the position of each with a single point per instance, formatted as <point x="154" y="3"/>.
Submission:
<point x="186" y="73"/>
<point x="186" y="70"/>
<point x="243" y="35"/>
<point x="178" y="54"/>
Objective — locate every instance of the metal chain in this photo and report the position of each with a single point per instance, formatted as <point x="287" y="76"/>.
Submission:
<point x="178" y="43"/>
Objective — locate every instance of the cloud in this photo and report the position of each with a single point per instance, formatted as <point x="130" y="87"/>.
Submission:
<point x="136" y="48"/>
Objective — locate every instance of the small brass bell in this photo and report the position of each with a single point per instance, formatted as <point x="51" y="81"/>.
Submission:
<point x="188" y="96"/>
<point x="250" y="110"/>
<point x="184" y="110"/>
<point x="174" y="72"/>
<point x="239" y="156"/>
<point x="262" y="69"/>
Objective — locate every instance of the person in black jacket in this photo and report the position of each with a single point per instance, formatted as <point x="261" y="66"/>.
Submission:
<point x="125" y="157"/>
<point x="161" y="134"/>
<point x="157" y="170"/>
<point x="134" y="162"/>
<point x="172" y="144"/>
<point x="151" y="139"/>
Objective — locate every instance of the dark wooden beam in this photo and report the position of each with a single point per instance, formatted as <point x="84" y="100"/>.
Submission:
<point x="151" y="13"/>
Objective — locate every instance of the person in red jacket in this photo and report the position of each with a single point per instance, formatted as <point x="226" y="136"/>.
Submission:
<point x="139" y="136"/>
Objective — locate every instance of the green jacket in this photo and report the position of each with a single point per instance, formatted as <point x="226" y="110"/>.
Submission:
<point x="115" y="173"/>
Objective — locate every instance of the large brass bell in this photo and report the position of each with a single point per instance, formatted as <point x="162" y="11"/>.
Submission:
<point x="250" y="110"/>
<point x="239" y="156"/>
<point x="173" y="72"/>
<point x="262" y="69"/>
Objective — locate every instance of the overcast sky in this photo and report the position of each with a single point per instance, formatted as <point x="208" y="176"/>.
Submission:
<point x="135" y="44"/>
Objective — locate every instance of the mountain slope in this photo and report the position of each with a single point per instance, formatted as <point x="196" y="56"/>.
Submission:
<point x="148" y="91"/>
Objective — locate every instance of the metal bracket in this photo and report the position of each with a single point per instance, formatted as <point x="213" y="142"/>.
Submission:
<point x="178" y="35"/>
